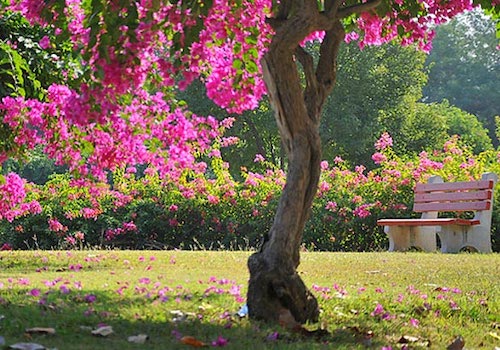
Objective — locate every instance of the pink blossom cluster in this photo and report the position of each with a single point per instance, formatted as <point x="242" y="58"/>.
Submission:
<point x="148" y="130"/>
<point x="110" y="234"/>
<point x="30" y="9"/>
<point x="14" y="201"/>
<point x="230" y="48"/>
<point x="417" y="27"/>
<point x="56" y="226"/>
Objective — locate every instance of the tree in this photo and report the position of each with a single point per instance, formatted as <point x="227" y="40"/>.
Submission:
<point x="371" y="82"/>
<point x="136" y="53"/>
<point x="464" y="68"/>
<point x="427" y="126"/>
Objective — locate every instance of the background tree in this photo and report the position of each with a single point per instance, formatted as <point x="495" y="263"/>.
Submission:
<point x="464" y="67"/>
<point x="417" y="127"/>
<point x="371" y="81"/>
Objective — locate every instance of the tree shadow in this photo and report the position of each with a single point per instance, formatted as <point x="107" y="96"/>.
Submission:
<point x="74" y="316"/>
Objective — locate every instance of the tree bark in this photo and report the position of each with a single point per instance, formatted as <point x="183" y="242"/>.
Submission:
<point x="275" y="286"/>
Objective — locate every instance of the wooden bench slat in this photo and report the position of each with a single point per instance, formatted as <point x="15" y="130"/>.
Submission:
<point x="452" y="196"/>
<point x="454" y="186"/>
<point x="452" y="206"/>
<point x="427" y="222"/>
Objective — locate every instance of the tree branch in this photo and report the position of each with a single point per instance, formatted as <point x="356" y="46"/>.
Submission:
<point x="326" y="71"/>
<point x="311" y="89"/>
<point x="284" y="9"/>
<point x="359" y="8"/>
<point x="307" y="63"/>
<point x="332" y="7"/>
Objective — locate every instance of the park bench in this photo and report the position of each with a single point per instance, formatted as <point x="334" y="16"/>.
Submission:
<point x="455" y="233"/>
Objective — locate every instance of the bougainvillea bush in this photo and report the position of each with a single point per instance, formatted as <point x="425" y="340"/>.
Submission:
<point x="138" y="209"/>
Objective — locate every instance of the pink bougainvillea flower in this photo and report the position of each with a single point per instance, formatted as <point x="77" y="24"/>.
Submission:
<point x="383" y="142"/>
<point x="35" y="292"/>
<point x="45" y="42"/>
<point x="64" y="290"/>
<point x="273" y="336"/>
<point x="220" y="341"/>
<point x="76" y="267"/>
<point x="23" y="281"/>
<point x="90" y="298"/>
<point x="379" y="310"/>
<point x="144" y="280"/>
<point x="6" y="246"/>
<point x="259" y="158"/>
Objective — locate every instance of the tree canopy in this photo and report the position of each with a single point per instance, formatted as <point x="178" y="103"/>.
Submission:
<point x="464" y="67"/>
<point x="133" y="55"/>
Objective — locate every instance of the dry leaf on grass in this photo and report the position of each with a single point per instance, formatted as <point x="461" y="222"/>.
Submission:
<point x="27" y="346"/>
<point x="457" y="344"/>
<point x="494" y="335"/>
<point x="192" y="341"/>
<point x="138" y="339"/>
<point x="286" y="320"/>
<point x="408" y="339"/>
<point x="414" y="341"/>
<point x="103" y="331"/>
<point x="180" y="317"/>
<point x="41" y="330"/>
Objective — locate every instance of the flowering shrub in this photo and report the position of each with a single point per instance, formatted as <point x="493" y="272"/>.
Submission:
<point x="212" y="210"/>
<point x="345" y="214"/>
<point x="117" y="107"/>
<point x="14" y="198"/>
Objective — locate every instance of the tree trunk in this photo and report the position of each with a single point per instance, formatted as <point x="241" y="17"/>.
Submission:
<point x="275" y="286"/>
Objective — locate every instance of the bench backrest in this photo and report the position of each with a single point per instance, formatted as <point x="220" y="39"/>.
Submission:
<point x="454" y="196"/>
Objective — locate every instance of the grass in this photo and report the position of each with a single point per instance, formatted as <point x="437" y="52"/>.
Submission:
<point x="368" y="300"/>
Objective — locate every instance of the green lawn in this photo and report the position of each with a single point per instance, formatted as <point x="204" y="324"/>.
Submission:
<point x="367" y="299"/>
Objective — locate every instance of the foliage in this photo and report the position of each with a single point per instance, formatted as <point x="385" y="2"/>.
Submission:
<point x="427" y="126"/>
<point x="497" y="122"/>
<point x="36" y="58"/>
<point x="215" y="211"/>
<point x="162" y="46"/>
<point x="370" y="82"/>
<point x="464" y="67"/>
<point x="37" y="168"/>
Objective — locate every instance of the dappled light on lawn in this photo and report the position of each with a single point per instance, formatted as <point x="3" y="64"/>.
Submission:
<point x="117" y="298"/>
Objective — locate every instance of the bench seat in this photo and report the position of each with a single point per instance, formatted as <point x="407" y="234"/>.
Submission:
<point x="456" y="233"/>
<point x="428" y="222"/>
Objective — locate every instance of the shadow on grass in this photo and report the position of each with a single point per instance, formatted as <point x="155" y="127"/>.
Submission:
<point x="74" y="316"/>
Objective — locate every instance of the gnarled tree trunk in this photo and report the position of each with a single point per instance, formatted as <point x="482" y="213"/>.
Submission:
<point x="274" y="284"/>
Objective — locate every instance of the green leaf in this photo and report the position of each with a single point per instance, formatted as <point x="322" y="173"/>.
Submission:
<point x="251" y="67"/>
<point x="237" y="64"/>
<point x="254" y="52"/>
<point x="251" y="40"/>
